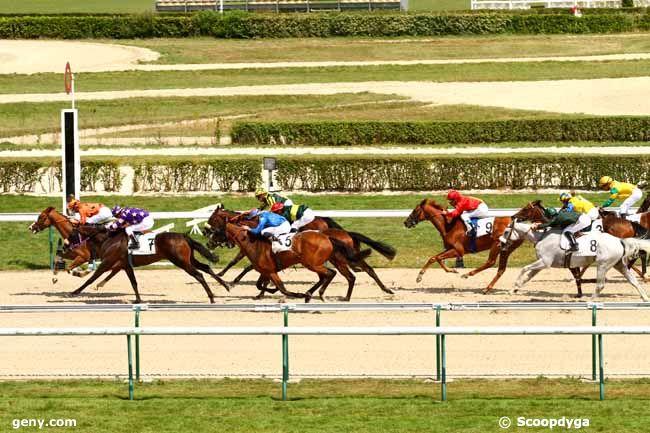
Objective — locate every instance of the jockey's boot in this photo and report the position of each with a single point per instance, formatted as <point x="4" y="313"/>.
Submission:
<point x="573" y="245"/>
<point x="133" y="244"/>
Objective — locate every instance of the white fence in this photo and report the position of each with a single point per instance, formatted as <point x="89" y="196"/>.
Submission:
<point x="526" y="4"/>
<point x="442" y="332"/>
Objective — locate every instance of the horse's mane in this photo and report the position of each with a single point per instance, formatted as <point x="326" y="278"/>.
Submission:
<point x="431" y="202"/>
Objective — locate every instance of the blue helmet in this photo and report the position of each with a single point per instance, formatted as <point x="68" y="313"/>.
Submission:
<point x="253" y="213"/>
<point x="116" y="210"/>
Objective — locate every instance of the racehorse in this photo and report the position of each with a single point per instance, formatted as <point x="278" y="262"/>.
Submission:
<point x="80" y="254"/>
<point x="309" y="248"/>
<point x="215" y="231"/>
<point x="623" y="228"/>
<point x="455" y="239"/>
<point x="178" y="248"/>
<point x="611" y="252"/>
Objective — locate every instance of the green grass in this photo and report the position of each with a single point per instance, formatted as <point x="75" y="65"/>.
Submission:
<point x="75" y="6"/>
<point x="35" y="118"/>
<point x="22" y="250"/>
<point x="211" y="50"/>
<point x="367" y="406"/>
<point x="140" y="80"/>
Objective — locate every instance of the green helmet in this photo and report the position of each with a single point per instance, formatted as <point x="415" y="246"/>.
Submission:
<point x="550" y="212"/>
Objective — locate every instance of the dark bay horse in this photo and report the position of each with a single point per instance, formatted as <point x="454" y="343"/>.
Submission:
<point x="215" y="231"/>
<point x="80" y="254"/>
<point x="312" y="249"/>
<point x="178" y="248"/>
<point x="455" y="239"/>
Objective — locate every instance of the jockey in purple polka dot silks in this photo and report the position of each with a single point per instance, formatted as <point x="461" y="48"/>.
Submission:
<point x="132" y="220"/>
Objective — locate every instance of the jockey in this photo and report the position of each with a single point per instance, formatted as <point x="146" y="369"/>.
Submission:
<point x="298" y="216"/>
<point x="630" y="192"/>
<point x="89" y="213"/>
<point x="567" y="220"/>
<point x="131" y="220"/>
<point x="581" y="205"/>
<point x="268" y="198"/>
<point x="469" y="209"/>
<point x="269" y="225"/>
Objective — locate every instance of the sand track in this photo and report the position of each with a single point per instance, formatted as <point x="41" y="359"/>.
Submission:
<point x="315" y="356"/>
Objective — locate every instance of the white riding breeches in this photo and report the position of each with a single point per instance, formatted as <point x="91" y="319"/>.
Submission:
<point x="307" y="217"/>
<point x="637" y="194"/>
<point x="593" y="214"/>
<point x="145" y="224"/>
<point x="480" y="212"/>
<point x="104" y="215"/>
<point x="283" y="228"/>
<point x="584" y="221"/>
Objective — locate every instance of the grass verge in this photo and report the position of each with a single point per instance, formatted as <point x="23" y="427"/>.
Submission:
<point x="324" y="406"/>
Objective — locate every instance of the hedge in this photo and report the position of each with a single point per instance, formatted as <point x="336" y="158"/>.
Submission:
<point x="250" y="25"/>
<point x="348" y="174"/>
<point x="25" y="175"/>
<point x="367" y="133"/>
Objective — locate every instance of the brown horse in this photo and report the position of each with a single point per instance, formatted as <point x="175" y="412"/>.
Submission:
<point x="310" y="249"/>
<point x="645" y="205"/>
<point x="455" y="239"/>
<point x="80" y="254"/>
<point x="175" y="247"/>
<point x="215" y="231"/>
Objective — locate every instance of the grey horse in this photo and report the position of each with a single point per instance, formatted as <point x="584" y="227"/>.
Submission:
<point x="611" y="252"/>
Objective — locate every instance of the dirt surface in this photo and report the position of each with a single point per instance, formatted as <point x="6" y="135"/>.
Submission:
<point x="30" y="57"/>
<point x="312" y="355"/>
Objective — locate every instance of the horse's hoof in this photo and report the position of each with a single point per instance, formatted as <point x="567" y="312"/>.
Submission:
<point x="212" y="300"/>
<point x="227" y="287"/>
<point x="55" y="280"/>
<point x="137" y="301"/>
<point x="453" y="271"/>
<point x="486" y="291"/>
<point x="346" y="299"/>
<point x="74" y="294"/>
<point x="419" y="279"/>
<point x="389" y="291"/>
<point x="465" y="276"/>
<point x="307" y="298"/>
<point x="321" y="297"/>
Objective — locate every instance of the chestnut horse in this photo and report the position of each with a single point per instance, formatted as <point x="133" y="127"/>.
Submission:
<point x="80" y="254"/>
<point x="215" y="231"/>
<point x="309" y="248"/>
<point x="178" y="248"/>
<point x="455" y="239"/>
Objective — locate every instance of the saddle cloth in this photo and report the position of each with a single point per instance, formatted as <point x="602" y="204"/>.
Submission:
<point x="587" y="244"/>
<point x="634" y="217"/>
<point x="485" y="226"/>
<point x="597" y="226"/>
<point x="282" y="243"/>
<point x="147" y="245"/>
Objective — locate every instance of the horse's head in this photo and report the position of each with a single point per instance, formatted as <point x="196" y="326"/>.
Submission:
<point x="533" y="211"/>
<point x="43" y="221"/>
<point x="425" y="210"/>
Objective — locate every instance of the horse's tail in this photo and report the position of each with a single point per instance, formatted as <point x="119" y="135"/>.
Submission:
<point x="331" y="223"/>
<point x="382" y="248"/>
<point x="350" y="254"/>
<point x="633" y="247"/>
<point x="203" y="250"/>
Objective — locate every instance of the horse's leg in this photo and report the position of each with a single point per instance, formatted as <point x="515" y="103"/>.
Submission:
<point x="327" y="279"/>
<point x="601" y="273"/>
<point x="280" y="285"/>
<point x="78" y="261"/>
<point x="187" y="266"/>
<point x="492" y="259"/>
<point x="208" y="270"/>
<point x="342" y="266"/>
<point x="576" y="275"/>
<point x="262" y="285"/>
<point x="629" y="276"/>
<point x="527" y="273"/>
<point x="582" y="272"/>
<point x="240" y="255"/>
<point x="365" y="267"/>
<point x="447" y="254"/>
<point x="503" y="263"/>
<point x="134" y="283"/>
<point x="246" y="270"/>
<point x="103" y="267"/>
<point x="114" y="271"/>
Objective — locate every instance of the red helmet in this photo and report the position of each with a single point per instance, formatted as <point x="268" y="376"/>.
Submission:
<point x="277" y="207"/>
<point x="453" y="195"/>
